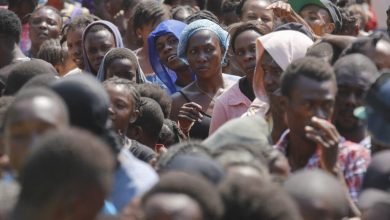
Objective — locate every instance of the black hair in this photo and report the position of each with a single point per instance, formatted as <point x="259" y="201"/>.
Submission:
<point x="356" y="64"/>
<point x="43" y="80"/>
<point x="309" y="67"/>
<point x="16" y="3"/>
<point x="130" y="88"/>
<point x="25" y="71"/>
<point x="52" y="52"/>
<point x="229" y="6"/>
<point x="149" y="11"/>
<point x="150" y="117"/>
<point x="79" y="22"/>
<point x="388" y="11"/>
<point x="241" y="5"/>
<point x="187" y="8"/>
<point x="202" y="14"/>
<point x="10" y="25"/>
<point x="195" y="187"/>
<point x="158" y="94"/>
<point x="200" y="3"/>
<point x="63" y="165"/>
<point x="122" y="53"/>
<point x="170" y="134"/>
<point x="324" y="50"/>
<point x="349" y="22"/>
<point x="238" y="28"/>
<point x="248" y="198"/>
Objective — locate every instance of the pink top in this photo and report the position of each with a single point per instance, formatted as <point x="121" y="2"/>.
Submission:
<point x="231" y="104"/>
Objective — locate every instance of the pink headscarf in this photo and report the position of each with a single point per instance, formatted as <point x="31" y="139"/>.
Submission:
<point x="284" y="47"/>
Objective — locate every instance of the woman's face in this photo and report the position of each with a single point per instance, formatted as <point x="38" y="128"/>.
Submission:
<point x="97" y="44"/>
<point x="121" y="107"/>
<point x="75" y="46"/>
<point x="245" y="51"/>
<point x="204" y="54"/>
<point x="255" y="10"/>
<point x="166" y="47"/>
<point x="122" y="68"/>
<point x="44" y="24"/>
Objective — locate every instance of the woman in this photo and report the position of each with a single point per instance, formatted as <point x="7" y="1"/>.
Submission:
<point x="45" y="23"/>
<point x="122" y="63"/>
<point x="276" y="51"/>
<point x="98" y="38"/>
<point x="250" y="10"/>
<point x="168" y="67"/>
<point x="203" y="45"/>
<point x="235" y="101"/>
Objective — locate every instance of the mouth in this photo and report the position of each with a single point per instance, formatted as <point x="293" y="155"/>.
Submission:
<point x="202" y="68"/>
<point x="43" y="35"/>
<point x="172" y="57"/>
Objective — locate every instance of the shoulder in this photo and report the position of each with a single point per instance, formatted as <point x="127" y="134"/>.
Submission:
<point x="353" y="153"/>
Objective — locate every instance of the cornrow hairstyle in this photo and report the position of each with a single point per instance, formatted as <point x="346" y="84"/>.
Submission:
<point x="130" y="88"/>
<point x="148" y="12"/>
<point x="175" y="11"/>
<point x="10" y="25"/>
<point x="79" y="22"/>
<point x="170" y="134"/>
<point x="238" y="28"/>
<point x="202" y="14"/>
<point x="52" y="52"/>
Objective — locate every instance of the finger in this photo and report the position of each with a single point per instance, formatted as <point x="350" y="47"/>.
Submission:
<point x="327" y="127"/>
<point x="194" y="105"/>
<point x="194" y="117"/>
<point x="186" y="117"/>
<point x="191" y="110"/>
<point x="329" y="142"/>
<point x="317" y="139"/>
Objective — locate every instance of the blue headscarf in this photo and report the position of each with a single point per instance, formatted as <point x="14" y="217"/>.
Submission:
<point x="196" y="26"/>
<point x="166" y="75"/>
<point x="110" y="27"/>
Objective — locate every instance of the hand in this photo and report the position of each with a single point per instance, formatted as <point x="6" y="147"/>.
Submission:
<point x="326" y="136"/>
<point x="189" y="113"/>
<point x="281" y="9"/>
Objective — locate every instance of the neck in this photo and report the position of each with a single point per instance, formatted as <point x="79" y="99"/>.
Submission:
<point x="299" y="151"/>
<point x="211" y="84"/>
<point x="11" y="56"/>
<point x="355" y="135"/>
<point x="184" y="76"/>
<point x="34" y="50"/>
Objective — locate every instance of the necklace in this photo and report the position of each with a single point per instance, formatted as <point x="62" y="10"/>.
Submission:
<point x="204" y="92"/>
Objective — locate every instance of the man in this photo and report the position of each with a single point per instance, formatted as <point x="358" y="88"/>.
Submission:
<point x="355" y="73"/>
<point x="322" y="15"/>
<point x="309" y="90"/>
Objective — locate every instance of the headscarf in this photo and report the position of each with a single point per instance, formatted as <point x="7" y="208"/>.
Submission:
<point x="167" y="76"/>
<point x="110" y="27"/>
<point x="284" y="47"/>
<point x="202" y="24"/>
<point x="140" y="76"/>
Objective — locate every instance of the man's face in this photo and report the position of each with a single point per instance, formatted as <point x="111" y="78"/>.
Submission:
<point x="309" y="98"/>
<point x="351" y="92"/>
<point x="318" y="19"/>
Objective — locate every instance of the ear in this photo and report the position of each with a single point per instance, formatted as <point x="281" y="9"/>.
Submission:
<point x="329" y="28"/>
<point x="134" y="116"/>
<point x="138" y="33"/>
<point x="135" y="132"/>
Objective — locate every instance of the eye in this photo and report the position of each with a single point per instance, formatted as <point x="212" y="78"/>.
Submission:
<point x="266" y="19"/>
<point x="239" y="52"/>
<point x="52" y="22"/>
<point x="192" y="51"/>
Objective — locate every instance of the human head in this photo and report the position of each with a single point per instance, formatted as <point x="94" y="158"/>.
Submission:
<point x="322" y="15"/>
<point x="162" y="44"/>
<point x="125" y="102"/>
<point x="43" y="80"/>
<point x="67" y="168"/>
<point x="10" y="29"/>
<point x="256" y="10"/>
<point x="45" y="23"/>
<point x="324" y="50"/>
<point x="22" y="8"/>
<point x="308" y="87"/>
<point x="98" y="38"/>
<point x="73" y="36"/>
<point x="202" y="14"/>
<point x="56" y="54"/>
<point x="159" y="95"/>
<point x="228" y="12"/>
<point x="33" y="112"/>
<point x="122" y="63"/>
<point x="25" y="71"/>
<point x="198" y="198"/>
<point x="375" y="46"/>
<point x="354" y="73"/>
<point x="243" y="44"/>
<point x="203" y="45"/>
<point x="170" y="134"/>
<point x="182" y="12"/>
<point x="253" y="198"/>
<point x="377" y="175"/>
<point x="146" y="16"/>
<point x="318" y="195"/>
<point x="146" y="128"/>
<point x="276" y="51"/>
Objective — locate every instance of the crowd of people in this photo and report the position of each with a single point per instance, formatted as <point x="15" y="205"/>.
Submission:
<point x="194" y="110"/>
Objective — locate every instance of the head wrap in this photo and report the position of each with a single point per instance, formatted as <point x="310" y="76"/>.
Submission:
<point x="110" y="27"/>
<point x="140" y="76"/>
<point x="284" y="47"/>
<point x="167" y="76"/>
<point x="196" y="26"/>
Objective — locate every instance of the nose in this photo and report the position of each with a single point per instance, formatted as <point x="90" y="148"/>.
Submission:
<point x="202" y="57"/>
<point x="320" y="113"/>
<point x="350" y="100"/>
<point x="249" y="56"/>
<point x="268" y="79"/>
<point x="42" y="25"/>
<point x="111" y="111"/>
<point x="167" y="48"/>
